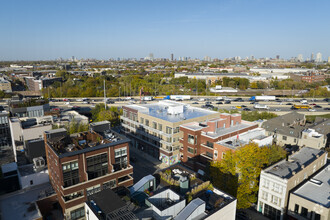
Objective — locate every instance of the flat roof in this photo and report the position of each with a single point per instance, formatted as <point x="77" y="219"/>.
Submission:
<point x="28" y="170"/>
<point x="9" y="167"/>
<point x="53" y="131"/>
<point x="107" y="200"/>
<point x="244" y="138"/>
<point x="160" y="110"/>
<point x="317" y="188"/>
<point x="232" y="129"/>
<point x="285" y="168"/>
<point x="83" y="142"/>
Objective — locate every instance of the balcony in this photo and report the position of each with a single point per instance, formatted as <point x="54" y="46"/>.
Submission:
<point x="208" y="145"/>
<point x="208" y="156"/>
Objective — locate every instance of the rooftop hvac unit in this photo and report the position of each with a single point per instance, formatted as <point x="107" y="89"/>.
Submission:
<point x="38" y="164"/>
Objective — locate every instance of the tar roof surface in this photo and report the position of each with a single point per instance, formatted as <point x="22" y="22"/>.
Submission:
<point x="284" y="169"/>
<point x="107" y="200"/>
<point x="315" y="192"/>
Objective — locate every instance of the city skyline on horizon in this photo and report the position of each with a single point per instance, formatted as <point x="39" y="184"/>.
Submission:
<point x="41" y="30"/>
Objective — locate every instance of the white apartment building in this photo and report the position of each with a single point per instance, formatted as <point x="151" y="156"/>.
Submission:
<point x="277" y="180"/>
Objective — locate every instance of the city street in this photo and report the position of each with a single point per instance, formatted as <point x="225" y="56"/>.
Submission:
<point x="143" y="164"/>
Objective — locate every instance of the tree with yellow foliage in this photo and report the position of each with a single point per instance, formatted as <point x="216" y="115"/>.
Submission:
<point x="238" y="172"/>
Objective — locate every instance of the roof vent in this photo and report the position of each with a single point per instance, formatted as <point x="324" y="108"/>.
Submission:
<point x="317" y="182"/>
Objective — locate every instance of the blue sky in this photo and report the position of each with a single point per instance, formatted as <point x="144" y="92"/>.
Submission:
<point x="49" y="29"/>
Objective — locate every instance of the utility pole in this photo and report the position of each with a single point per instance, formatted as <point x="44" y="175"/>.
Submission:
<point x="105" y="101"/>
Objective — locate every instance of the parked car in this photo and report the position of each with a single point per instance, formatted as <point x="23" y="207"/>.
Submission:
<point x="312" y="110"/>
<point x="195" y="103"/>
<point x="317" y="106"/>
<point x="219" y="103"/>
<point x="227" y="102"/>
<point x="289" y="103"/>
<point x="246" y="109"/>
<point x="278" y="110"/>
<point x="243" y="106"/>
<point x="233" y="107"/>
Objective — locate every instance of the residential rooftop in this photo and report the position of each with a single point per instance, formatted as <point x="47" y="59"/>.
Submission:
<point x="108" y="205"/>
<point x="287" y="168"/>
<point x="255" y="135"/>
<point x="171" y="111"/>
<point x="291" y="124"/>
<point x="315" y="189"/>
<point x="219" y="131"/>
<point x="65" y="145"/>
<point x="29" y="169"/>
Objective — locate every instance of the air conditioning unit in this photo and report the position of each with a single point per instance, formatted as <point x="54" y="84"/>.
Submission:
<point x="38" y="164"/>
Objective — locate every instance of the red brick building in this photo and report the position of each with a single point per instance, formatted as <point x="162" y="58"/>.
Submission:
<point x="200" y="139"/>
<point x="84" y="163"/>
<point x="309" y="77"/>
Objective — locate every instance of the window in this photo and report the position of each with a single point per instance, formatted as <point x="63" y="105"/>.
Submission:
<point x="109" y="185"/>
<point x="191" y="139"/>
<point x="266" y="183"/>
<point x="142" y="120"/>
<point x="73" y="196"/>
<point x="160" y="127"/>
<point x="277" y="188"/>
<point x="296" y="208"/>
<point x="284" y="138"/>
<point x="70" y="173"/>
<point x="295" y="140"/>
<point x="276" y="200"/>
<point x="222" y="155"/>
<point x="264" y="195"/>
<point x="304" y="212"/>
<point x="168" y="130"/>
<point x="78" y="213"/>
<point x="97" y="166"/>
<point x="31" y="182"/>
<point x="120" y="159"/>
<point x="209" y="144"/>
<point x="176" y="130"/>
<point x="147" y="122"/>
<point x="317" y="216"/>
<point x="209" y="154"/>
<point x="93" y="189"/>
<point x="154" y="125"/>
<point x="121" y="152"/>
<point x="190" y="150"/>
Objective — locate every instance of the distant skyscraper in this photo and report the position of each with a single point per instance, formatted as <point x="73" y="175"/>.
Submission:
<point x="318" y="57"/>
<point x="300" y="58"/>
<point x="172" y="56"/>
<point x="207" y="58"/>
<point x="151" y="56"/>
<point x="328" y="59"/>
<point x="312" y="57"/>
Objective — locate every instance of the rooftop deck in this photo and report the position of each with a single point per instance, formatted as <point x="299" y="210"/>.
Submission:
<point x="64" y="144"/>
